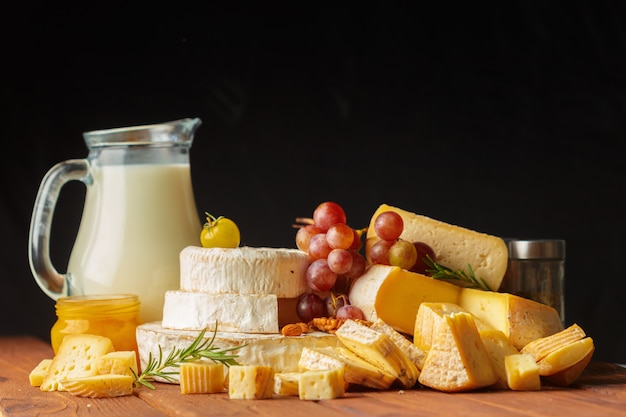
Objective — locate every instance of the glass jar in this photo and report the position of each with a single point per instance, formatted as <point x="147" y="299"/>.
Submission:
<point x="113" y="316"/>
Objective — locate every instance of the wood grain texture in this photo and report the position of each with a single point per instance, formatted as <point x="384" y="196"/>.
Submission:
<point x="601" y="390"/>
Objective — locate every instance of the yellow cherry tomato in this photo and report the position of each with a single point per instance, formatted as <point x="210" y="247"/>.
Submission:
<point x="219" y="232"/>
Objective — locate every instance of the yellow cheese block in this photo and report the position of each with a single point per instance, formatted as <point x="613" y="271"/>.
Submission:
<point x="38" y="373"/>
<point x="499" y="347"/>
<point x="77" y="357"/>
<point x="321" y="385"/>
<point x="250" y="382"/>
<point x="458" y="359"/>
<point x="569" y="375"/>
<point x="201" y="377"/>
<point x="455" y="247"/>
<point x="522" y="372"/>
<point x="522" y="320"/>
<point x="394" y="295"/>
<point x="286" y="383"/>
<point x="122" y="362"/>
<point x="542" y="347"/>
<point x="100" y="386"/>
<point x="565" y="357"/>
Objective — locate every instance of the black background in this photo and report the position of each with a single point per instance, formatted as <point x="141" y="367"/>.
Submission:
<point x="504" y="119"/>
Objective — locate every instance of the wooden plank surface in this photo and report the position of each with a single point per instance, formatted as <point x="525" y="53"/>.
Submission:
<point x="601" y="391"/>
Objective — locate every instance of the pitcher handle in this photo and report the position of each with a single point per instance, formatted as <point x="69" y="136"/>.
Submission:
<point x="49" y="279"/>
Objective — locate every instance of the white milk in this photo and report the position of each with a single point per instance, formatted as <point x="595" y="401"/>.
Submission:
<point x="136" y="220"/>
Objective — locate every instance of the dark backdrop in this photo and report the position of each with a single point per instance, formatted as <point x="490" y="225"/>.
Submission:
<point x="504" y="119"/>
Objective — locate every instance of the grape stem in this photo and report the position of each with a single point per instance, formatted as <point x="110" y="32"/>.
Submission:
<point x="441" y="272"/>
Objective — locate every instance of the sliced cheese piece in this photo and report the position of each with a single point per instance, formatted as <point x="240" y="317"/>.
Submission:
<point x="250" y="382"/>
<point x="244" y="313"/>
<point x="542" y="347"/>
<point x="458" y="359"/>
<point x="522" y="372"/>
<point x="286" y="383"/>
<point x="100" y="386"/>
<point x="378" y="349"/>
<point x="414" y="353"/>
<point x="455" y="247"/>
<point x="429" y="317"/>
<point x="356" y="369"/>
<point x="565" y="357"/>
<point x="522" y="320"/>
<point x="280" y="352"/>
<point x="321" y="385"/>
<point x="201" y="377"/>
<point x="499" y="347"/>
<point x="76" y="358"/>
<point x="394" y="295"/>
<point x="122" y="362"/>
<point x="244" y="270"/>
<point x="39" y="372"/>
<point x="568" y="376"/>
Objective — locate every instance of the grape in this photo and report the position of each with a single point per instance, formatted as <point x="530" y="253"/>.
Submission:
<point x="304" y="235"/>
<point x="356" y="241"/>
<point x="402" y="254"/>
<point x="358" y="266"/>
<point x="318" y="247"/>
<point x="333" y="302"/>
<point x="339" y="261"/>
<point x="310" y="306"/>
<point x="350" y="312"/>
<point x="422" y="250"/>
<point x="328" y="214"/>
<point x="388" y="225"/>
<point x="319" y="276"/>
<point x="340" y="236"/>
<point x="379" y="252"/>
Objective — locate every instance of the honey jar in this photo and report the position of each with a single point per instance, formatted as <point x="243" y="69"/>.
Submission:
<point x="113" y="316"/>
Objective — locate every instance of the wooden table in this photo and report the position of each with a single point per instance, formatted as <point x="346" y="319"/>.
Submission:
<point x="600" y="391"/>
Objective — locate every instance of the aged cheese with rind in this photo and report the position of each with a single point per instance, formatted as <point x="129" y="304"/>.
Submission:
<point x="245" y="313"/>
<point x="414" y="353"/>
<point x="244" y="270"/>
<point x="321" y="385"/>
<point x="542" y="347"/>
<point x="201" y="377"/>
<point x="455" y="247"/>
<point x="280" y="352"/>
<point x="569" y="375"/>
<point x="522" y="372"/>
<point x="565" y="357"/>
<point x="250" y="382"/>
<point x="100" y="386"/>
<point x="458" y="359"/>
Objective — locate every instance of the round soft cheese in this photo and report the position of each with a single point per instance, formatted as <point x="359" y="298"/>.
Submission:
<point x="244" y="270"/>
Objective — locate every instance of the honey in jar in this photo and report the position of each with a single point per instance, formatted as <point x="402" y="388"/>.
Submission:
<point x="113" y="316"/>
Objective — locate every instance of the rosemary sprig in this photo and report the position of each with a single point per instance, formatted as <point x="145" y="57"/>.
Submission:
<point x="441" y="272"/>
<point x="198" y="349"/>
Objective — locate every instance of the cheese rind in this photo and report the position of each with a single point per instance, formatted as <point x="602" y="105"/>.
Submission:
<point x="542" y="347"/>
<point x="250" y="382"/>
<point x="455" y="247"/>
<point x="244" y="270"/>
<point x="279" y="352"/>
<point x="244" y="313"/>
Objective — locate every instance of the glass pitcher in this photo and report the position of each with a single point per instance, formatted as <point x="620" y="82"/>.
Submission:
<point x="139" y="213"/>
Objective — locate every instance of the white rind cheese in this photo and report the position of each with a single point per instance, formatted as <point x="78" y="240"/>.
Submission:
<point x="244" y="270"/>
<point x="280" y="352"/>
<point x="246" y="313"/>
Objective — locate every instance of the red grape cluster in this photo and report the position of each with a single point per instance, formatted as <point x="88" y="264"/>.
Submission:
<point x="333" y="248"/>
<point x="391" y="250"/>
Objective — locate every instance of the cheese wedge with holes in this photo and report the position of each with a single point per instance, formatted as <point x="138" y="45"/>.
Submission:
<point x="244" y="313"/>
<point x="244" y="270"/>
<point x="499" y="347"/>
<point x="394" y="295"/>
<point x="455" y="247"/>
<point x="250" y="382"/>
<point x="39" y="372"/>
<point x="522" y="372"/>
<point x="76" y="358"/>
<point x="458" y="359"/>
<point x="201" y="377"/>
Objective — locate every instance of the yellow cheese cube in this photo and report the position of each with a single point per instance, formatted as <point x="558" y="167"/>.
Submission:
<point x="499" y="347"/>
<point x="77" y="357"/>
<point x="321" y="385"/>
<point x="38" y="373"/>
<point x="458" y="359"/>
<point x="522" y="372"/>
<point x="286" y="383"/>
<point x="565" y="357"/>
<point x="201" y="377"/>
<point x="522" y="320"/>
<point x="250" y="382"/>
<point x="119" y="363"/>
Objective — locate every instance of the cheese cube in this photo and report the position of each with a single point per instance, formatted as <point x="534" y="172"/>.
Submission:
<point x="522" y="320"/>
<point x="522" y="372"/>
<point x="286" y="383"/>
<point x="122" y="362"/>
<point x="201" y="377"/>
<point x="321" y="385"/>
<point x="250" y="382"/>
<point x="458" y="359"/>
<point x="77" y="357"/>
<point x="499" y="347"/>
<point x="38" y="373"/>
